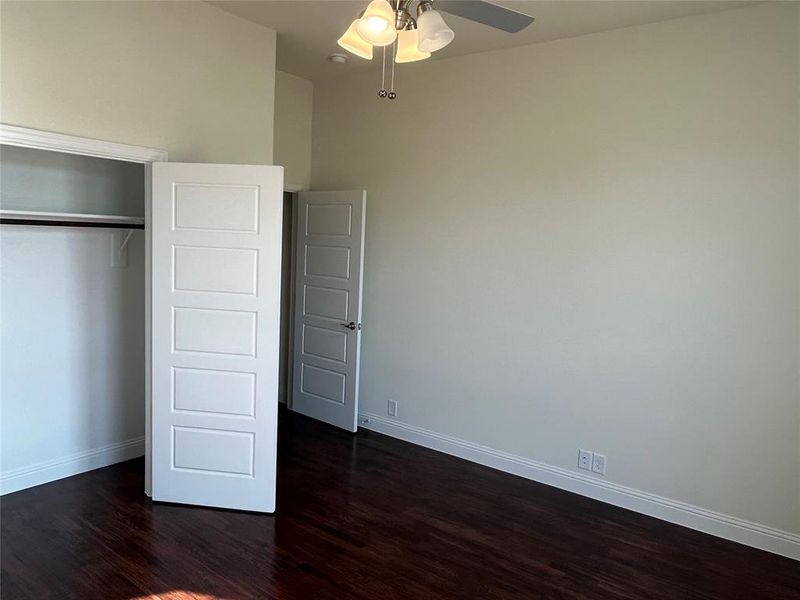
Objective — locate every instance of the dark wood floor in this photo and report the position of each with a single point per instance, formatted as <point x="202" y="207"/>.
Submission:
<point x="364" y="516"/>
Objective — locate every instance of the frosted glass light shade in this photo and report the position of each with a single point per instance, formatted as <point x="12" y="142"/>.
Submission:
<point x="352" y="42"/>
<point x="377" y="24"/>
<point x="407" y="50"/>
<point x="434" y="34"/>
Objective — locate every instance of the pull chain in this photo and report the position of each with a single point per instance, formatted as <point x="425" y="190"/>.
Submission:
<point x="382" y="93"/>
<point x="392" y="95"/>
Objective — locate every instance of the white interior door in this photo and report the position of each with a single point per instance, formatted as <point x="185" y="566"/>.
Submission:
<point x="215" y="253"/>
<point x="329" y="269"/>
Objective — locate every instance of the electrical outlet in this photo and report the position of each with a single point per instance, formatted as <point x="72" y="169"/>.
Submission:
<point x="585" y="458"/>
<point x="391" y="408"/>
<point x="599" y="464"/>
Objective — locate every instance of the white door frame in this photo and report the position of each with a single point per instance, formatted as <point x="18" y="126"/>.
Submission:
<point x="12" y="135"/>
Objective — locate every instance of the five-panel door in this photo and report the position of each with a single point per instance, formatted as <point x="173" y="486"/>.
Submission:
<point x="215" y="297"/>
<point x="327" y="323"/>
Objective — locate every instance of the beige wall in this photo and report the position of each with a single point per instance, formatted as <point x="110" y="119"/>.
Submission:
<point x="293" y="100"/>
<point x="182" y="76"/>
<point x="591" y="243"/>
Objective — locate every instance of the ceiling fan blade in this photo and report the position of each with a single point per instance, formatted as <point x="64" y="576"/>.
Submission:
<point x="487" y="13"/>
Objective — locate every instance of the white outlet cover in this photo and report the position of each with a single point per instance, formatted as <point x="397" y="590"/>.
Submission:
<point x="585" y="459"/>
<point x="599" y="464"/>
<point x="391" y="408"/>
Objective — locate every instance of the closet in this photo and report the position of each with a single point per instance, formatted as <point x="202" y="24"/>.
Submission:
<point x="140" y="303"/>
<point x="72" y="374"/>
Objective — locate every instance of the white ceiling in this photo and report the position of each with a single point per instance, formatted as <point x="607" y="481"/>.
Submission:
<point x="308" y="29"/>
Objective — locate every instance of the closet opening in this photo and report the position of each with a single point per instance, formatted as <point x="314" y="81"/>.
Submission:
<point x="72" y="279"/>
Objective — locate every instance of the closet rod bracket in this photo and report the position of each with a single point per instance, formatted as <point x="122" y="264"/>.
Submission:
<point x="119" y="248"/>
<point x="126" y="240"/>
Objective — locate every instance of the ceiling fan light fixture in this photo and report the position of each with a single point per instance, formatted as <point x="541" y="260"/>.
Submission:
<point x="352" y="42"/>
<point x="407" y="46"/>
<point x="434" y="34"/>
<point x="377" y="24"/>
<point x="387" y="22"/>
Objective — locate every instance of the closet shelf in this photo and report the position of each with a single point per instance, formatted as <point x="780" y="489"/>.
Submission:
<point x="56" y="219"/>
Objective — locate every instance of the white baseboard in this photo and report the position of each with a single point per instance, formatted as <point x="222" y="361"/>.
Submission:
<point x="681" y="513"/>
<point x="45" y="472"/>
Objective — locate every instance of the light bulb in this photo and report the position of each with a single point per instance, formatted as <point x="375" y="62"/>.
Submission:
<point x="377" y="24"/>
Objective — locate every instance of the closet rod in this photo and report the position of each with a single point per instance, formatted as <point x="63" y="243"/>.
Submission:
<point x="13" y="221"/>
<point x="56" y="219"/>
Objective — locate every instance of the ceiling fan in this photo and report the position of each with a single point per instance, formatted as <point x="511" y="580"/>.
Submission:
<point x="384" y="24"/>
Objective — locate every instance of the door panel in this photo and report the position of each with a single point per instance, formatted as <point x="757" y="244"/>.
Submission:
<point x="329" y="260"/>
<point x="215" y="270"/>
<point x="216" y="250"/>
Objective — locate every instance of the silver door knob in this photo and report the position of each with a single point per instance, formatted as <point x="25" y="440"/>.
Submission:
<point x="351" y="326"/>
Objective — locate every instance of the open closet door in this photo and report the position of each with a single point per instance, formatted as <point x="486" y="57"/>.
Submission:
<point x="215" y="264"/>
<point x="327" y="320"/>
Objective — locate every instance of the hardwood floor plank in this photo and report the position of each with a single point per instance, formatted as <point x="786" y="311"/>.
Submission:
<point x="369" y="517"/>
